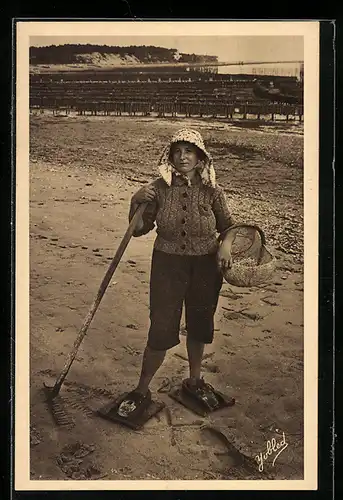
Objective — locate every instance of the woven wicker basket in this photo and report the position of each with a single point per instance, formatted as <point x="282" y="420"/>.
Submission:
<point x="253" y="265"/>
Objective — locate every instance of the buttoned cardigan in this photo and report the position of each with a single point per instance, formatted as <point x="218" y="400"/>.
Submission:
<point x="188" y="218"/>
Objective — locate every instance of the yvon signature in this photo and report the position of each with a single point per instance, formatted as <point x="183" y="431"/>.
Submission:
<point x="273" y="449"/>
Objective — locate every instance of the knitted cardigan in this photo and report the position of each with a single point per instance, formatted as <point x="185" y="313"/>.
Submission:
<point x="187" y="217"/>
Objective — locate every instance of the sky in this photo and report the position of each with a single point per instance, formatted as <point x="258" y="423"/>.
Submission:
<point x="226" y="48"/>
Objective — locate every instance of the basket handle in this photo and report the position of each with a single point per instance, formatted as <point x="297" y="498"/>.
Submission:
<point x="252" y="226"/>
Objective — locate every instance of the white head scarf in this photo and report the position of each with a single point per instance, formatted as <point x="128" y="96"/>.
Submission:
<point x="205" y="168"/>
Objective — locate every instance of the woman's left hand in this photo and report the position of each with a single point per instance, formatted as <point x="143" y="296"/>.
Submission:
<point x="224" y="257"/>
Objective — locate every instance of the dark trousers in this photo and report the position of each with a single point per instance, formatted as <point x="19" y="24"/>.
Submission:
<point x="176" y="280"/>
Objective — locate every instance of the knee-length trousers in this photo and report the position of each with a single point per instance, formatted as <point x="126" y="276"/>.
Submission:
<point x="177" y="280"/>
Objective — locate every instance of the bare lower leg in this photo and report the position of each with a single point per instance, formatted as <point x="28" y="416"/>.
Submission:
<point x="152" y="360"/>
<point x="195" y="352"/>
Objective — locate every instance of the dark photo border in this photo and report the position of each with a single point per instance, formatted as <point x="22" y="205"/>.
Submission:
<point x="326" y="424"/>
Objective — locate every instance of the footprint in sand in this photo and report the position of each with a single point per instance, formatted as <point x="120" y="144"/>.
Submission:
<point x="132" y="326"/>
<point x="73" y="461"/>
<point x="96" y="252"/>
<point x="35" y="437"/>
<point x="230" y="353"/>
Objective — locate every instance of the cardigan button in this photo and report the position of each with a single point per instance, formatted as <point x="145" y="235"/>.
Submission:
<point x="184" y="207"/>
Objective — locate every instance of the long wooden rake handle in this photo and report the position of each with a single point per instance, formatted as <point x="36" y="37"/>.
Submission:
<point x="104" y="284"/>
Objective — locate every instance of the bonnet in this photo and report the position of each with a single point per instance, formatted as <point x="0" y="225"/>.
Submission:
<point x="205" y="167"/>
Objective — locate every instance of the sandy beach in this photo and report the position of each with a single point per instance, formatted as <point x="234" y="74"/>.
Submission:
<point x="83" y="171"/>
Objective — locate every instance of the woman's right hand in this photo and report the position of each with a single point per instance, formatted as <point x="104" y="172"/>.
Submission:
<point x="144" y="194"/>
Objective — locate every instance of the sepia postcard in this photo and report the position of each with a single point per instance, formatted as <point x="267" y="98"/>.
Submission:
<point x="167" y="177"/>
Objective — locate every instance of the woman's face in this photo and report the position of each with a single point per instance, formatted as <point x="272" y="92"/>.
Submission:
<point x="184" y="157"/>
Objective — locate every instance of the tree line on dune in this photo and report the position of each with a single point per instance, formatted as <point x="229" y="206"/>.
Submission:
<point x="68" y="54"/>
